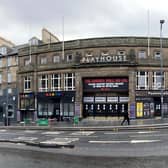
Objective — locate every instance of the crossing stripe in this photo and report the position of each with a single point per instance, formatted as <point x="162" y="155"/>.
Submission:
<point x="131" y="141"/>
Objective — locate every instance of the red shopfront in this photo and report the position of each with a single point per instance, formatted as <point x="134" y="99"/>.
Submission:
<point x="105" y="96"/>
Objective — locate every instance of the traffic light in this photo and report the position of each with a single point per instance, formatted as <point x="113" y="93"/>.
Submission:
<point x="10" y="111"/>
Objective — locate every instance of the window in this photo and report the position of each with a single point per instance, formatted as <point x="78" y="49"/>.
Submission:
<point x="45" y="109"/>
<point x="43" y="60"/>
<point x="26" y="62"/>
<point x="0" y="62"/>
<point x="157" y="55"/>
<point x="104" y="53"/>
<point x="69" y="81"/>
<point x="142" y="80"/>
<point x="27" y="83"/>
<point x="9" y="61"/>
<point x="9" y="90"/>
<point x="55" y="82"/>
<point x="69" y="58"/>
<point x="68" y="109"/>
<point x="0" y="78"/>
<point x="89" y="54"/>
<point x="141" y="54"/>
<point x="9" y="77"/>
<point x="157" y="80"/>
<point x="3" y="50"/>
<point x="43" y="83"/>
<point x="56" y="59"/>
<point x="121" y="52"/>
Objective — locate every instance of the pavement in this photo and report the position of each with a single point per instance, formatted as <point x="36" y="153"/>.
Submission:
<point x="93" y="124"/>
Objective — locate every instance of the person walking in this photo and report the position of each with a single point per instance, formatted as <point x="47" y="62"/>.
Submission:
<point x="126" y="117"/>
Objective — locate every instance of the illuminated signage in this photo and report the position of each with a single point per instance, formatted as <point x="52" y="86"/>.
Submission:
<point x="105" y="84"/>
<point x="104" y="59"/>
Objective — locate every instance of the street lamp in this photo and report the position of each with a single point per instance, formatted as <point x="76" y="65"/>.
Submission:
<point x="161" y="67"/>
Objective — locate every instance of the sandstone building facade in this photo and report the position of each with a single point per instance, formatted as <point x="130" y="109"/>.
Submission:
<point x="93" y="77"/>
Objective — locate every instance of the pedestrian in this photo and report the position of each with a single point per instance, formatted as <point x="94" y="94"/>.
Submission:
<point x="126" y="117"/>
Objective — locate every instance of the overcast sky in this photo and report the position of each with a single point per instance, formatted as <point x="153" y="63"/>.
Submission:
<point x="22" y="19"/>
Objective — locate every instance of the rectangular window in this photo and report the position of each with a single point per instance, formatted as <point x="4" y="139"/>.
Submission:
<point x="3" y="50"/>
<point x="43" y="83"/>
<point x="45" y="109"/>
<point x="0" y="62"/>
<point x="27" y="83"/>
<point x="68" y="109"/>
<point x="69" y="57"/>
<point x="55" y="82"/>
<point x="43" y="60"/>
<point x="69" y="81"/>
<point x="26" y="62"/>
<point x="141" y="54"/>
<point x="56" y="59"/>
<point x="157" y="55"/>
<point x="9" y="61"/>
<point x="158" y="80"/>
<point x="0" y="78"/>
<point x="9" y="77"/>
<point x="142" y="80"/>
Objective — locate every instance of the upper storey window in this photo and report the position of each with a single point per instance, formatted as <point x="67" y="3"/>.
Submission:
<point x="89" y="54"/>
<point x="142" y="80"/>
<point x="121" y="52"/>
<point x="69" y="58"/>
<point x="43" y="60"/>
<point x="142" y="54"/>
<point x="56" y="59"/>
<point x="3" y="50"/>
<point x="26" y="61"/>
<point x="104" y="53"/>
<point x="157" y="55"/>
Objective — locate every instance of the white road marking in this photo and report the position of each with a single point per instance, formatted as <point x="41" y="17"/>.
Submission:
<point x="3" y="130"/>
<point x="52" y="132"/>
<point x="143" y="141"/>
<point x="60" y="141"/>
<point x="82" y="133"/>
<point x="30" y="131"/>
<point x="26" y="138"/>
<point x="140" y="132"/>
<point x="149" y="135"/>
<point x="147" y="132"/>
<point x="109" y="142"/>
<point x="131" y="142"/>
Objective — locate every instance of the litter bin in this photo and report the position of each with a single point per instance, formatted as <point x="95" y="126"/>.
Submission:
<point x="76" y="119"/>
<point x="27" y="120"/>
<point x="42" y="122"/>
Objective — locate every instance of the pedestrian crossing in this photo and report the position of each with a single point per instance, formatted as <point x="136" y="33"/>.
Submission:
<point x="90" y="137"/>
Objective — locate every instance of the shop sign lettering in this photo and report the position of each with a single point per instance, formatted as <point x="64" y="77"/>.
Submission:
<point x="104" y="59"/>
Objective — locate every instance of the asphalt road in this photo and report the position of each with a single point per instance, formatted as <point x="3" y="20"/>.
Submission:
<point x="93" y="149"/>
<point x="97" y="143"/>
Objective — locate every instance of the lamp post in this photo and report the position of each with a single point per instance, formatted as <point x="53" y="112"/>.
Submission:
<point x="161" y="68"/>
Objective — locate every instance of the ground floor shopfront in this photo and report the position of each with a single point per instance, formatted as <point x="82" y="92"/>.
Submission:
<point x="58" y="105"/>
<point x="148" y="104"/>
<point x="105" y="96"/>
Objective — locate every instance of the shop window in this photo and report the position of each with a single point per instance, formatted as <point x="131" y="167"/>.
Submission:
<point x="68" y="109"/>
<point x="69" y="81"/>
<point x="158" y="80"/>
<point x="55" y="82"/>
<point x="45" y="109"/>
<point x="27" y="103"/>
<point x="27" y="83"/>
<point x="142" y="80"/>
<point x="43" y="83"/>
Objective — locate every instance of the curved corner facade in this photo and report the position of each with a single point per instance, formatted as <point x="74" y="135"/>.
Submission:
<point x="94" y="77"/>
